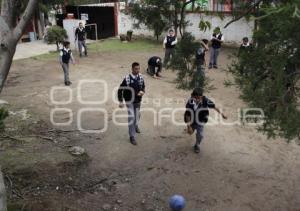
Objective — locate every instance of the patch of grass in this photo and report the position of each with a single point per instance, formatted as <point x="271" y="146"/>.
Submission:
<point x="47" y="56"/>
<point x="117" y="45"/>
<point x="110" y="45"/>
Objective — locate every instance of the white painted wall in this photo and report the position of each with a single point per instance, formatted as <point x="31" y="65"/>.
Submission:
<point x="233" y="33"/>
<point x="125" y="23"/>
<point x="70" y="26"/>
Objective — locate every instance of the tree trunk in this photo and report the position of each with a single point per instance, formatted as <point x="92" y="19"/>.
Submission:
<point x="6" y="58"/>
<point x="41" y="24"/>
<point x="57" y="46"/>
<point x="2" y="194"/>
<point x="10" y="35"/>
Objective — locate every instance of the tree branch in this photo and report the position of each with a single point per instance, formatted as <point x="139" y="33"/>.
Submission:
<point x="182" y="15"/>
<point x="26" y="17"/>
<point x="244" y="14"/>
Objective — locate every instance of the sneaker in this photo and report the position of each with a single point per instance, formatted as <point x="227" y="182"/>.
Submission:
<point x="158" y="75"/>
<point x="210" y="67"/>
<point x="133" y="141"/>
<point x="68" y="83"/>
<point x="215" y="66"/>
<point x="196" y="149"/>
<point x="137" y="130"/>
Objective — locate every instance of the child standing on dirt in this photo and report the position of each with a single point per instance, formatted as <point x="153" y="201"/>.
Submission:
<point x="65" y="57"/>
<point x="196" y="115"/>
<point x="169" y="45"/>
<point x="216" y="43"/>
<point x="132" y="90"/>
<point x="200" y="56"/>
<point x="80" y="37"/>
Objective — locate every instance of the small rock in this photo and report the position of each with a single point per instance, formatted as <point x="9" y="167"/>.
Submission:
<point x="119" y="201"/>
<point x="76" y="150"/>
<point x="57" y="188"/>
<point x="106" y="207"/>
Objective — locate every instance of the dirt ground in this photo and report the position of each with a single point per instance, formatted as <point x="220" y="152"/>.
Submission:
<point x="238" y="168"/>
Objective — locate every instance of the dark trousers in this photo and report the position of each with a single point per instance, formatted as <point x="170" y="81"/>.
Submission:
<point x="65" y="67"/>
<point x="153" y="70"/>
<point x="81" y="43"/>
<point x="199" y="132"/>
<point x="214" y="54"/>
<point x="133" y="117"/>
<point x="168" y="54"/>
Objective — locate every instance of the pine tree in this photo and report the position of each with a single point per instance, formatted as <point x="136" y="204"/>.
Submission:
<point x="269" y="75"/>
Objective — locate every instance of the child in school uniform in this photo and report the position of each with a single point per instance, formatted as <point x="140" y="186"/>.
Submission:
<point x="196" y="115"/>
<point x="65" y="57"/>
<point x="245" y="47"/>
<point x="154" y="66"/>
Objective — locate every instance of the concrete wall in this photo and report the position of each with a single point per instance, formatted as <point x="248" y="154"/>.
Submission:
<point x="125" y="23"/>
<point x="2" y="194"/>
<point x="233" y="33"/>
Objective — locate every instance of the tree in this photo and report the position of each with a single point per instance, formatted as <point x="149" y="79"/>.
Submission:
<point x="183" y="62"/>
<point x="159" y="15"/>
<point x="151" y="17"/>
<point x="57" y="35"/>
<point x="272" y="81"/>
<point x="11" y="32"/>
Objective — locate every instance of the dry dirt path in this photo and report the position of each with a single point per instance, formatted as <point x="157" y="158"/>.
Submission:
<point x="237" y="169"/>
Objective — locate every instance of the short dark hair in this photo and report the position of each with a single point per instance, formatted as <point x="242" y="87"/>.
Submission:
<point x="171" y="30"/>
<point x="66" y="43"/>
<point x="197" y="92"/>
<point x="134" y="64"/>
<point x="245" y="39"/>
<point x="205" y="41"/>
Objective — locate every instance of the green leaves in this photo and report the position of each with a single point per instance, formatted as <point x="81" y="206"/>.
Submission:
<point x="204" y="25"/>
<point x="269" y="76"/>
<point x="183" y="63"/>
<point x="56" y="34"/>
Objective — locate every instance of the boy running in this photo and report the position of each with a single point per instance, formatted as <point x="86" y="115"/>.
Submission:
<point x="65" y="57"/>
<point x="196" y="115"/>
<point x="132" y="90"/>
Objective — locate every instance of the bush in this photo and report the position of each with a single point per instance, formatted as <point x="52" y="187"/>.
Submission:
<point x="57" y="35"/>
<point x="183" y="62"/>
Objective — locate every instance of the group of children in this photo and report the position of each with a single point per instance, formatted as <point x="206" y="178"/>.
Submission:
<point x="132" y="88"/>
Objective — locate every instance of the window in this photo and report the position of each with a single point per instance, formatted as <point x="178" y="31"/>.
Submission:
<point x="222" y="5"/>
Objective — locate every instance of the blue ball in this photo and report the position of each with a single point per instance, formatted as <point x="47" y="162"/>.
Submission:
<point x="177" y="203"/>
